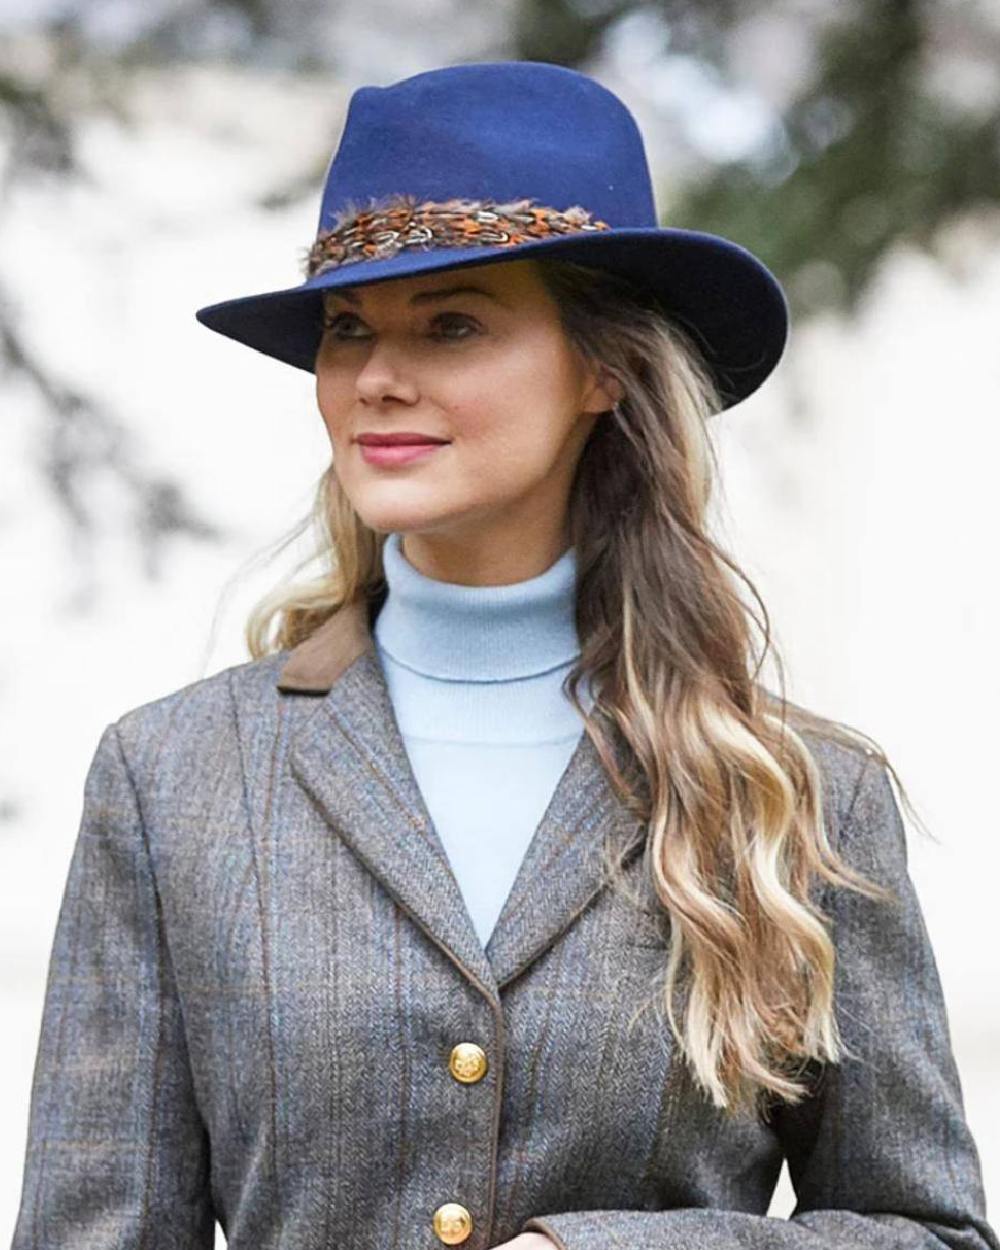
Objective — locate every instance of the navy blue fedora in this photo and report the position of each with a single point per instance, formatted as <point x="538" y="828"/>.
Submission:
<point x="487" y="161"/>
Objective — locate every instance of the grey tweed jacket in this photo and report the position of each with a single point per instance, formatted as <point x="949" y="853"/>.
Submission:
<point x="267" y="1006"/>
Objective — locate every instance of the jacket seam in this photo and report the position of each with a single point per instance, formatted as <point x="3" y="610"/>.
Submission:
<point x="160" y="974"/>
<point x="265" y="942"/>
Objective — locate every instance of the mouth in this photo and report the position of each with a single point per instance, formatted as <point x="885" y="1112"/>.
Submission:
<point x="388" y="454"/>
<point x="398" y="438"/>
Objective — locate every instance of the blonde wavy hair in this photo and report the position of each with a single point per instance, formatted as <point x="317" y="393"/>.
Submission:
<point x="717" y="771"/>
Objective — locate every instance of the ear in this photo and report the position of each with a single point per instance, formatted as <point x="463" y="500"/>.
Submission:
<point x="603" y="391"/>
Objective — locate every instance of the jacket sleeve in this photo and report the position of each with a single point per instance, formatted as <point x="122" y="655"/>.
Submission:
<point x="880" y="1155"/>
<point x="117" y="1153"/>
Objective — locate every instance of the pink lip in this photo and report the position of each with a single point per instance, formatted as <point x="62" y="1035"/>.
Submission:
<point x="400" y="453"/>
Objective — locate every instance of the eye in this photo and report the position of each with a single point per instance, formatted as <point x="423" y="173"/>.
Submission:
<point x="457" y="321"/>
<point x="335" y="321"/>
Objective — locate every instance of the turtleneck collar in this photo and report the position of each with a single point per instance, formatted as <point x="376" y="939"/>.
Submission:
<point x="477" y="633"/>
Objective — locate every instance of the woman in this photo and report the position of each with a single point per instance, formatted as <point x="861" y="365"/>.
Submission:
<point x="494" y="901"/>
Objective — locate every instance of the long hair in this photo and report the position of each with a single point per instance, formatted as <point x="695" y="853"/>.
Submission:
<point x="717" y="769"/>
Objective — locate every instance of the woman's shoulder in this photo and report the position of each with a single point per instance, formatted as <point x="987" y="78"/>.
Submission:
<point x="848" y="758"/>
<point x="208" y="708"/>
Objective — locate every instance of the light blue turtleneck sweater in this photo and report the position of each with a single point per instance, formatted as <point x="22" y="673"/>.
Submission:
<point x="474" y="675"/>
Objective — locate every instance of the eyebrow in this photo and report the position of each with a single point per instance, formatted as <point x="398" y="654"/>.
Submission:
<point x="424" y="297"/>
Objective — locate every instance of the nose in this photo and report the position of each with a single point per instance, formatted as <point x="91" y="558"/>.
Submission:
<point x="385" y="375"/>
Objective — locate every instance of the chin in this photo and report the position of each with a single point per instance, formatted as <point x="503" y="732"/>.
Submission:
<point x="402" y="520"/>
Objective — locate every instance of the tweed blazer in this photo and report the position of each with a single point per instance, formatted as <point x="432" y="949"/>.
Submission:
<point x="265" y="989"/>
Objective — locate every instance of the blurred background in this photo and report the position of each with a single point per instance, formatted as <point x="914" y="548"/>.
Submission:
<point x="162" y="155"/>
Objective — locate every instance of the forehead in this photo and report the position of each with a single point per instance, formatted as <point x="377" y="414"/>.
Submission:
<point x="499" y="283"/>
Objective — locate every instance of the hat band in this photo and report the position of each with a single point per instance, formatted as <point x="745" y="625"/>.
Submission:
<point x="383" y="230"/>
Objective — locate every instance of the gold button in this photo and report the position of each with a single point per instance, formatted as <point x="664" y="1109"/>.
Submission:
<point x="468" y="1063"/>
<point x="452" y="1223"/>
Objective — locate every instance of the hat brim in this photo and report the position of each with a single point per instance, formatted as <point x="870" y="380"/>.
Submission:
<point x="721" y="293"/>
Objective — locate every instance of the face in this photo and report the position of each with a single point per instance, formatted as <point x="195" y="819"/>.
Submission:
<point x="476" y="357"/>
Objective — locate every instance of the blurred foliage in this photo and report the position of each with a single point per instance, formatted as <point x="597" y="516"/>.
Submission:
<point x="82" y="439"/>
<point x="869" y="154"/>
<point x="889" y="137"/>
<point x="867" y="151"/>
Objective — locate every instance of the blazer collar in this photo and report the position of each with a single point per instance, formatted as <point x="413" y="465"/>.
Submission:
<point x="351" y="758"/>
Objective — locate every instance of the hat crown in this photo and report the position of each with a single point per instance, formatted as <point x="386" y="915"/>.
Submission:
<point x="501" y="130"/>
<point x="495" y="160"/>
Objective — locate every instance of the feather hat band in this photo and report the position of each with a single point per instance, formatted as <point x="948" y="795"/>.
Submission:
<point x="483" y="162"/>
<point x="402" y="222"/>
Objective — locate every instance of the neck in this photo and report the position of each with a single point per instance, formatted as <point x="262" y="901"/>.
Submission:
<point x="483" y="562"/>
<point x="482" y="632"/>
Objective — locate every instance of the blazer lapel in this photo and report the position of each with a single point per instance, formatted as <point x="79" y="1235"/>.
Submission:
<point x="351" y="758"/>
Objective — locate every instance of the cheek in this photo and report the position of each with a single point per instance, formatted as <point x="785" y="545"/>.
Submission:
<point x="506" y="442"/>
<point x="526" y="393"/>
<point x="333" y="398"/>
